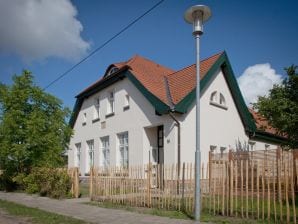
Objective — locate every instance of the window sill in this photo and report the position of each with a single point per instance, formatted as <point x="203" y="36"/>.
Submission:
<point x="110" y="115"/>
<point x="126" y="108"/>
<point x="95" y="120"/>
<point x="84" y="124"/>
<point x="219" y="105"/>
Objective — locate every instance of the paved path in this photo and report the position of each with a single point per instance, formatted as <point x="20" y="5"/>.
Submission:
<point x="89" y="213"/>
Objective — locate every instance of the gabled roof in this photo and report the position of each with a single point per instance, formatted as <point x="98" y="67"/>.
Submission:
<point x="168" y="90"/>
<point x="183" y="81"/>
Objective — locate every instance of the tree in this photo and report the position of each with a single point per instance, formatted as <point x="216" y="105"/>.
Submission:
<point x="280" y="107"/>
<point x="33" y="127"/>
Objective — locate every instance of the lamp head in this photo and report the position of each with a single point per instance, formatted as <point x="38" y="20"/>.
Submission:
<point x="197" y="15"/>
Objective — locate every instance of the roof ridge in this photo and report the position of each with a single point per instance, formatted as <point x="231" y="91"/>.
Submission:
<point x="205" y="59"/>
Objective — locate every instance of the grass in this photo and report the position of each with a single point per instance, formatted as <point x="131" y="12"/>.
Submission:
<point x="37" y="216"/>
<point x="205" y="217"/>
<point x="84" y="189"/>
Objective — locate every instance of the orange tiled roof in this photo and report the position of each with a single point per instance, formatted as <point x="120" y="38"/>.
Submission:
<point x="262" y="123"/>
<point x="152" y="76"/>
<point x="184" y="81"/>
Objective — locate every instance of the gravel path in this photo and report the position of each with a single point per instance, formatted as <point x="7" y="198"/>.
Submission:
<point x="75" y="208"/>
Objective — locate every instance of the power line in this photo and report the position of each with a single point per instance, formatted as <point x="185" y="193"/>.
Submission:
<point x="103" y="45"/>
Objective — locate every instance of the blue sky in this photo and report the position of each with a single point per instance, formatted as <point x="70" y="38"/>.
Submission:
<point x="48" y="37"/>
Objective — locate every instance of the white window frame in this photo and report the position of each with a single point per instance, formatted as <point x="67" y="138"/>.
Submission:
<point x="105" y="151"/>
<point x="123" y="149"/>
<point x="84" y="118"/>
<point x="111" y="102"/>
<point x="213" y="97"/>
<point x="126" y="101"/>
<point x="78" y="149"/>
<point x="217" y="99"/>
<point x="251" y="146"/>
<point x="213" y="148"/>
<point x="90" y="154"/>
<point x="96" y="108"/>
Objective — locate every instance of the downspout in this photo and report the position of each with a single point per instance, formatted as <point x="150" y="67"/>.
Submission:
<point x="178" y="143"/>
<point x="172" y="110"/>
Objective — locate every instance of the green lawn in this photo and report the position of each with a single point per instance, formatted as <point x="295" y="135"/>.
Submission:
<point x="206" y="217"/>
<point x="36" y="215"/>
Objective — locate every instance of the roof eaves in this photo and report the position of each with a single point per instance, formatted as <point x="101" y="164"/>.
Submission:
<point x="221" y="63"/>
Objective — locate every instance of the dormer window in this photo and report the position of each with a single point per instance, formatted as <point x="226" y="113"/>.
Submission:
<point x="217" y="99"/>
<point x="112" y="70"/>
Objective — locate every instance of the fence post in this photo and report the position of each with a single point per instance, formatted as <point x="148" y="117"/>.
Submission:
<point x="91" y="183"/>
<point x="183" y="187"/>
<point x="210" y="169"/>
<point x="76" y="183"/>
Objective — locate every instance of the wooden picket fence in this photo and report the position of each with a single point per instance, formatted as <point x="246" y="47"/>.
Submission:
<point x="74" y="175"/>
<point x="247" y="184"/>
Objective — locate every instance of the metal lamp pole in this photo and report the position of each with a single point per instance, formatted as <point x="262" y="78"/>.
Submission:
<point x="197" y="15"/>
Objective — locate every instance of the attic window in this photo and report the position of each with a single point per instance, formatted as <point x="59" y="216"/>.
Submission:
<point x="112" y="70"/>
<point x="222" y="100"/>
<point x="218" y="100"/>
<point x="213" y="97"/>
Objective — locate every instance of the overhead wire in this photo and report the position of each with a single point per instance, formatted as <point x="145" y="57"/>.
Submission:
<point x="103" y="44"/>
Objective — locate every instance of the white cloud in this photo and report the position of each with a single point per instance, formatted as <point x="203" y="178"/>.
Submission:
<point x="37" y="29"/>
<point x="257" y="80"/>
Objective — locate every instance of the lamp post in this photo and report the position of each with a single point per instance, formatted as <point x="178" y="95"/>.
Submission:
<point x="197" y="15"/>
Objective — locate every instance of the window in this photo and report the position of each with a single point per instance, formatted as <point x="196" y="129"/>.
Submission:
<point x="222" y="151"/>
<point x="218" y="101"/>
<point x="251" y="146"/>
<point x="212" y="148"/>
<point x="126" y="102"/>
<point x="112" y="70"/>
<point x="222" y="100"/>
<point x="105" y="152"/>
<point x="213" y="97"/>
<point x="90" y="153"/>
<point x="78" y="154"/>
<point x="96" y="108"/>
<point x="84" y="119"/>
<point x="111" y="103"/>
<point x="123" y="149"/>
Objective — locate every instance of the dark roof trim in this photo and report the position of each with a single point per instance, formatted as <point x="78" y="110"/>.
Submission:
<point x="221" y="63"/>
<point x="265" y="136"/>
<point x="159" y="106"/>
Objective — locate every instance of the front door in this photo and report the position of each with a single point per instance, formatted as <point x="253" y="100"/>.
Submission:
<point x="160" y="144"/>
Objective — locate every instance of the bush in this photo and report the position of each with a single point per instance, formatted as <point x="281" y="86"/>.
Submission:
<point x="50" y="182"/>
<point x="6" y="182"/>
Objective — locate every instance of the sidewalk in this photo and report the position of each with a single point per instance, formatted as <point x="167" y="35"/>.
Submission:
<point x="89" y="213"/>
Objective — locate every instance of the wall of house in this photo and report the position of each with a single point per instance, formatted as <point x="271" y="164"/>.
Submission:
<point x="220" y="126"/>
<point x="136" y="120"/>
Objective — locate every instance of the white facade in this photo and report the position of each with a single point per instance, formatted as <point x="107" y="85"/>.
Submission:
<point x="138" y="119"/>
<point x="129" y="112"/>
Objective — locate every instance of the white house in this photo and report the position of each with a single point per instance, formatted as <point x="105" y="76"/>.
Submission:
<point x="140" y="111"/>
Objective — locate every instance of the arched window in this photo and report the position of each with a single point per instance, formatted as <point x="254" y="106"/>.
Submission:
<point x="222" y="100"/>
<point x="213" y="97"/>
<point x="112" y="70"/>
<point x="217" y="99"/>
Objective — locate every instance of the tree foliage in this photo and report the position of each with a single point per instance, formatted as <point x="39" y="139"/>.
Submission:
<point x="33" y="127"/>
<point x="280" y="107"/>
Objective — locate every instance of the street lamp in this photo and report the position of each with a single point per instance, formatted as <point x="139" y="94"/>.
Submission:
<point x="197" y="15"/>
